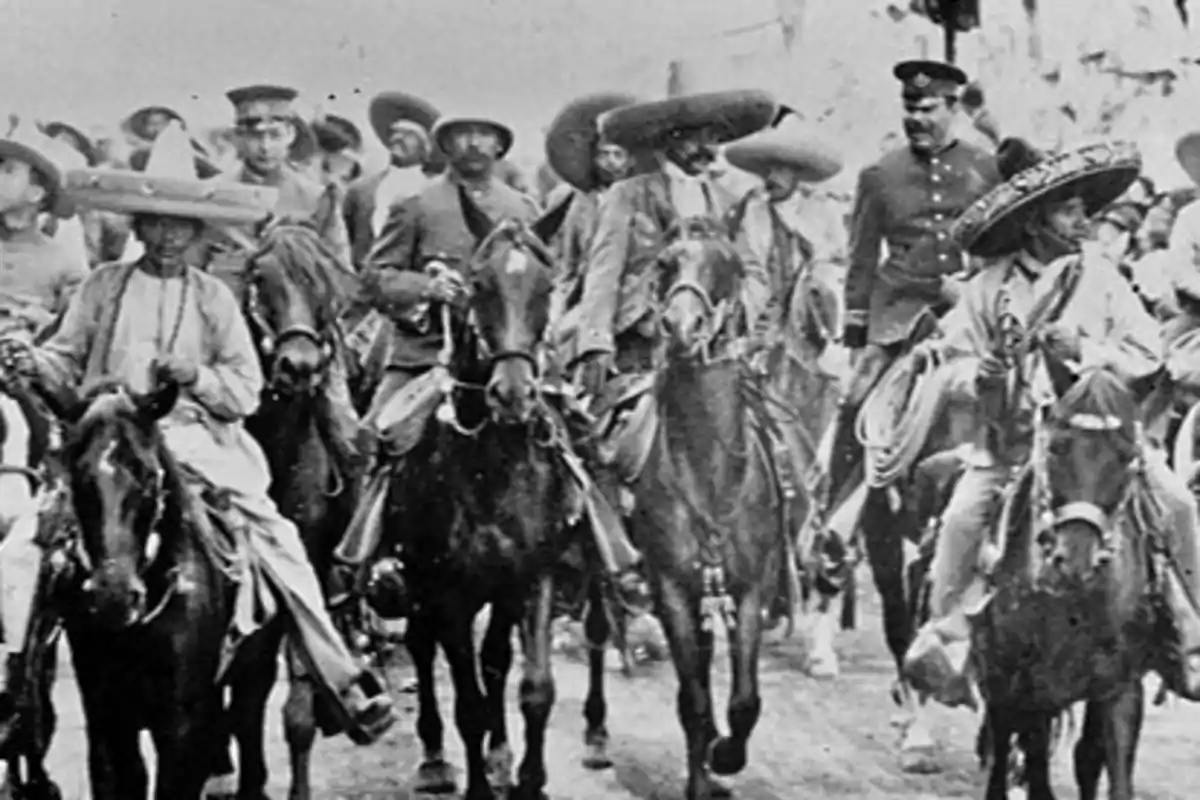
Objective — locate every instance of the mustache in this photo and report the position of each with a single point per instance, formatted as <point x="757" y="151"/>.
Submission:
<point x="912" y="128"/>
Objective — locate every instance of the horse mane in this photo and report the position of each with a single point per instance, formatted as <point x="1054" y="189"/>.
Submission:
<point x="312" y="264"/>
<point x="516" y="233"/>
<point x="1102" y="393"/>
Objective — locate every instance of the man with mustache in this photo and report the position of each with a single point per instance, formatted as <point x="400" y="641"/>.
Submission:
<point x="908" y="201"/>
<point x="589" y="165"/>
<point x="613" y="326"/>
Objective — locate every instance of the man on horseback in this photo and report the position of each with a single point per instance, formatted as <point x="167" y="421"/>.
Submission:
<point x="1043" y="288"/>
<point x="908" y="200"/>
<point x="613" y="327"/>
<point x="589" y="165"/>
<point x="158" y="319"/>
<point x="37" y="273"/>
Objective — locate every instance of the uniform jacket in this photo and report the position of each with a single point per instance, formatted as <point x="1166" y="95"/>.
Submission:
<point x="632" y="220"/>
<point x="429" y="226"/>
<point x="574" y="242"/>
<point x="357" y="211"/>
<point x="908" y="200"/>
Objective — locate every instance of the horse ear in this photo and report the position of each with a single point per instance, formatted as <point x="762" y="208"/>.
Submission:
<point x="1062" y="376"/>
<point x="158" y="402"/>
<point x="549" y="223"/>
<point x="478" y="222"/>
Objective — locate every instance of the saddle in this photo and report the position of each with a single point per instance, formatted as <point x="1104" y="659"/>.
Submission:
<point x="626" y="422"/>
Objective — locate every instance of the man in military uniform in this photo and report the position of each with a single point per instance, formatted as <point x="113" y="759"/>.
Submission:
<point x="268" y="131"/>
<point x="607" y="329"/>
<point x="908" y="200"/>
<point x="588" y="166"/>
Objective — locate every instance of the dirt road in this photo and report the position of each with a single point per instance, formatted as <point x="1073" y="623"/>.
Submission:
<point x="829" y="739"/>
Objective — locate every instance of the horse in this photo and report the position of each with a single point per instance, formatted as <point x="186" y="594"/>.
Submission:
<point x="1077" y="609"/>
<point x="148" y="616"/>
<point x="27" y="465"/>
<point x="709" y="515"/>
<point x="480" y="521"/>
<point x="292" y="289"/>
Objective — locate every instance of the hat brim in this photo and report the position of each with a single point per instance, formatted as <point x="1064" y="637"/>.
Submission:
<point x="390" y="107"/>
<point x="57" y="202"/>
<point x="573" y="136"/>
<point x="811" y="162"/>
<point x="1187" y="153"/>
<point x="138" y="122"/>
<point x="305" y="145"/>
<point x="1097" y="173"/>
<point x="135" y="193"/>
<point x="446" y="124"/>
<point x="335" y="134"/>
<point x="729" y="116"/>
<point x="81" y="141"/>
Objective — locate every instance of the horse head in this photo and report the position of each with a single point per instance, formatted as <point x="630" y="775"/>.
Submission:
<point x="511" y="274"/>
<point x="292" y="294"/>
<point x="701" y="280"/>
<point x="1091" y="446"/>
<point x="122" y="481"/>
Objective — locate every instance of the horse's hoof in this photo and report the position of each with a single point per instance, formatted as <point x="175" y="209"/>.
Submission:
<point x="221" y="787"/>
<point x="712" y="788"/>
<point x="824" y="666"/>
<point x="727" y="756"/>
<point x="499" y="767"/>
<point x="595" y="753"/>
<point x="435" y="777"/>
<point x="919" y="760"/>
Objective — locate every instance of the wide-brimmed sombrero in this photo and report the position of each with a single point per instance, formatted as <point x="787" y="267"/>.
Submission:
<point x="170" y="186"/>
<point x="138" y="123"/>
<point x="388" y="108"/>
<point x="729" y="115"/>
<point x="80" y="141"/>
<point x="1097" y="173"/>
<point x="813" y="161"/>
<point x="205" y="167"/>
<point x="50" y="157"/>
<point x="572" y="137"/>
<point x="448" y="122"/>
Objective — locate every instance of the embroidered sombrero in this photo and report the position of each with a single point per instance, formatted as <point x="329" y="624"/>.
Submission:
<point x="1098" y="173"/>
<point x="572" y="138"/>
<point x="169" y="186"/>
<point x="812" y="160"/>
<point x="730" y="115"/>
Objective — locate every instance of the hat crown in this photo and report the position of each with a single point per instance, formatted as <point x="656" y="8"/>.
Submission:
<point x="171" y="155"/>
<point x="60" y="154"/>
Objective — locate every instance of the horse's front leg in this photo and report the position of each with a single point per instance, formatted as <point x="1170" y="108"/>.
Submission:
<point x="1123" y="715"/>
<point x="595" y="708"/>
<point x="496" y="660"/>
<point x="188" y="723"/>
<point x="1000" y="737"/>
<point x="254" y="679"/>
<point x="435" y="775"/>
<point x="537" y="692"/>
<point x="470" y="705"/>
<point x="1035" y="742"/>
<point x="115" y="766"/>
<point x="691" y="651"/>
<point x="728" y="754"/>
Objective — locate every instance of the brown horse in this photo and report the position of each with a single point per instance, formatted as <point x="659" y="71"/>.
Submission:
<point x="293" y="289"/>
<point x="481" y="521"/>
<point x="1078" y="591"/>
<point x="709" y="514"/>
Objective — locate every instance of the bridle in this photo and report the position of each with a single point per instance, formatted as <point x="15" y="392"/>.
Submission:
<point x="717" y="314"/>
<point x="269" y="341"/>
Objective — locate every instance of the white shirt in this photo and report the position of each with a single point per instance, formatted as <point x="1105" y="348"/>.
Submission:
<point x="397" y="185"/>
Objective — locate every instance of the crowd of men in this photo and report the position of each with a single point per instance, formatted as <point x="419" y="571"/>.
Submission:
<point x="112" y="271"/>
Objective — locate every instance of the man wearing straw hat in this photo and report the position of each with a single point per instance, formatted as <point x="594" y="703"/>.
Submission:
<point x="1084" y="312"/>
<point x="116" y="328"/>
<point x="906" y="201"/>
<point x="589" y="166"/>
<point x="37" y="273"/>
<point x="608" y="330"/>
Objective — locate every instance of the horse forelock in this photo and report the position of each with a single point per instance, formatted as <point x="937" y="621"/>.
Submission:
<point x="307" y="260"/>
<point x="1100" y="394"/>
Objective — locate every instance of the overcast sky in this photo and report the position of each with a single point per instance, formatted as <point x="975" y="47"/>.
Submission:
<point x="93" y="60"/>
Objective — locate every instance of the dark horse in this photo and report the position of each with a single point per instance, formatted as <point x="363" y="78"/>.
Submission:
<point x="1079" y="584"/>
<point x="479" y="519"/>
<point x="292" y="289"/>
<point x="709" y="517"/>
<point x="147" y="622"/>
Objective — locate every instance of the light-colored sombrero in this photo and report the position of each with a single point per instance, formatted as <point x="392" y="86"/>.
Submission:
<point x="450" y="121"/>
<point x="50" y="157"/>
<point x="169" y="186"/>
<point x="1098" y="173"/>
<point x="572" y="137"/>
<point x="812" y="160"/>
<point x="730" y="115"/>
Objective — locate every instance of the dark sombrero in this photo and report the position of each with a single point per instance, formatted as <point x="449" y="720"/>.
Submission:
<point x="80" y="141"/>
<point x="812" y="160"/>
<point x="572" y="138"/>
<point x="729" y="115"/>
<point x="1097" y="173"/>
<point x="336" y="134"/>
<point x="139" y="121"/>
<point x="388" y="108"/>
